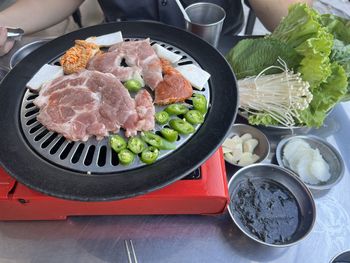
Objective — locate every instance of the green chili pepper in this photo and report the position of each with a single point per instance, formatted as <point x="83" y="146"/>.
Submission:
<point x="181" y="126"/>
<point x="169" y="134"/>
<point x="149" y="155"/>
<point x="200" y="103"/>
<point x="162" y="117"/>
<point x="176" y="109"/>
<point x="117" y="143"/>
<point x="157" y="141"/>
<point x="136" y="145"/>
<point x="126" y="157"/>
<point x="194" y="117"/>
<point x="133" y="85"/>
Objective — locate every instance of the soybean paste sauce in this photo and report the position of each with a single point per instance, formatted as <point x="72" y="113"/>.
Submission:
<point x="267" y="209"/>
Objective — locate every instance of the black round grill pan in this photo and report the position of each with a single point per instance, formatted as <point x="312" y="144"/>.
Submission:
<point x="24" y="163"/>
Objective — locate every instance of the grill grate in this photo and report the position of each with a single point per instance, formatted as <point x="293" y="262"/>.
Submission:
<point x="92" y="156"/>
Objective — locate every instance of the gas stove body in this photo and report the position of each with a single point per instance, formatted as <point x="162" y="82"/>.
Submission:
<point x="205" y="193"/>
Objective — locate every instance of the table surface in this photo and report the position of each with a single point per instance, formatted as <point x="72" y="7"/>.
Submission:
<point x="187" y="238"/>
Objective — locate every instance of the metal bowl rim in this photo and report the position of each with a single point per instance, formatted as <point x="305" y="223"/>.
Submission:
<point x="295" y="177"/>
<point x="326" y="186"/>
<point x="43" y="41"/>
<point x="262" y="134"/>
<point x="338" y="254"/>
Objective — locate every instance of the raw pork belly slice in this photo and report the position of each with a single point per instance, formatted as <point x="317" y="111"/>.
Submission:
<point x="110" y="63"/>
<point x="138" y="55"/>
<point x="145" y="111"/>
<point x="84" y="104"/>
<point x="173" y="88"/>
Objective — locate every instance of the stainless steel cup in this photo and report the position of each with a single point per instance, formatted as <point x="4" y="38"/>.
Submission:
<point x="206" y="21"/>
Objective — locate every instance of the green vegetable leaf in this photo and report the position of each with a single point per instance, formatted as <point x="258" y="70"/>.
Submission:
<point x="320" y="47"/>
<point x="250" y="56"/>
<point x="339" y="27"/>
<point x="302" y="30"/>
<point x="325" y="97"/>
<point x="315" y="70"/>
<point x="341" y="54"/>
<point x="261" y="119"/>
<point x="299" y="25"/>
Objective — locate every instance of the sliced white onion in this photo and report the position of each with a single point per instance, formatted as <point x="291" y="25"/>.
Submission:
<point x="307" y="162"/>
<point x="166" y="54"/>
<point x="303" y="170"/>
<point x="319" y="168"/>
<point x="45" y="74"/>
<point x="293" y="151"/>
<point x="194" y="74"/>
<point x="106" y="40"/>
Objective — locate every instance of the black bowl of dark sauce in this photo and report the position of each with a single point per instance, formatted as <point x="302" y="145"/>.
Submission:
<point x="271" y="205"/>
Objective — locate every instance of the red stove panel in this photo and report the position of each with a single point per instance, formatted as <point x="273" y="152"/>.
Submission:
<point x="207" y="195"/>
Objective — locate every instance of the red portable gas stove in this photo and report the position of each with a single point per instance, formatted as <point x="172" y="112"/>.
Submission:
<point x="90" y="170"/>
<point x="202" y="192"/>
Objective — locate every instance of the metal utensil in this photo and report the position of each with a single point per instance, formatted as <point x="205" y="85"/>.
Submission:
<point x="183" y="10"/>
<point x="14" y="33"/>
<point x="130" y="250"/>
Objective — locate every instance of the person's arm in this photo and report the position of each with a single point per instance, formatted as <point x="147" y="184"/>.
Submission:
<point x="36" y="15"/>
<point x="270" y="12"/>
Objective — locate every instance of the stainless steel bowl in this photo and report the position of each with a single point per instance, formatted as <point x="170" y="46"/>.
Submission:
<point x="287" y="179"/>
<point x="26" y="50"/>
<point x="329" y="154"/>
<point x="262" y="149"/>
<point x="3" y="72"/>
<point x="342" y="257"/>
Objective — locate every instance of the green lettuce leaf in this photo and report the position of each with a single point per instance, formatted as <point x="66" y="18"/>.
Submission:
<point x="341" y="54"/>
<point x="339" y="27"/>
<point x="299" y="25"/>
<point x="325" y="97"/>
<point x="302" y="30"/>
<point x="250" y="56"/>
<point x="321" y="54"/>
<point x="261" y="119"/>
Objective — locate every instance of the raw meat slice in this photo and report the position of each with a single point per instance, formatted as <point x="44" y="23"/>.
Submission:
<point x="173" y="88"/>
<point x="145" y="111"/>
<point x="90" y="103"/>
<point x="138" y="55"/>
<point x="110" y="63"/>
<point x="145" y="114"/>
<point x="77" y="57"/>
